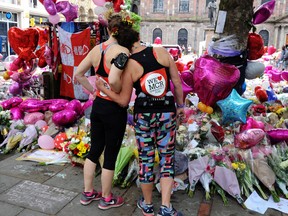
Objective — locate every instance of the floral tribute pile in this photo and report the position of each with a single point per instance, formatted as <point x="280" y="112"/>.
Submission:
<point x="238" y="148"/>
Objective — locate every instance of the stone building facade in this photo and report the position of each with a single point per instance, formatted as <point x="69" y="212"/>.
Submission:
<point x="186" y="22"/>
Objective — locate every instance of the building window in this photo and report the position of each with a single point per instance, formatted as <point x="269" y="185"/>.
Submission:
<point x="265" y="35"/>
<point x="157" y="33"/>
<point x="134" y="9"/>
<point x="158" y="6"/>
<point x="184" y="6"/>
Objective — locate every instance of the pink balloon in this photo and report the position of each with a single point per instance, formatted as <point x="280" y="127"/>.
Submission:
<point x="54" y="19"/>
<point x="274" y="75"/>
<point x="284" y="75"/>
<point x="64" y="117"/>
<point x="187" y="77"/>
<point x="15" y="89"/>
<point x="17" y="64"/>
<point x="11" y="102"/>
<point x="56" y="107"/>
<point x="50" y="7"/>
<point x="15" y="76"/>
<point x="46" y="142"/>
<point x="32" y="105"/>
<point x="277" y="135"/>
<point x="271" y="49"/>
<point x="186" y="89"/>
<point x="48" y="56"/>
<point x="249" y="138"/>
<point x="74" y="105"/>
<point x="252" y="123"/>
<point x="100" y="3"/>
<point x="268" y="67"/>
<point x="263" y="12"/>
<point x="32" y="118"/>
<point x="213" y="80"/>
<point x="69" y="11"/>
<point x="16" y="113"/>
<point x="40" y="124"/>
<point x="86" y="105"/>
<point x="158" y="40"/>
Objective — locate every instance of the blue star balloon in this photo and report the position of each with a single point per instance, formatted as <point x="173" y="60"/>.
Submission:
<point x="234" y="108"/>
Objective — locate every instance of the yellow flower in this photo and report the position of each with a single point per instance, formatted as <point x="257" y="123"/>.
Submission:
<point x="235" y="166"/>
<point x="242" y="166"/>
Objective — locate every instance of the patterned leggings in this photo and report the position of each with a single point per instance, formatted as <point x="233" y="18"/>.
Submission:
<point x="155" y="130"/>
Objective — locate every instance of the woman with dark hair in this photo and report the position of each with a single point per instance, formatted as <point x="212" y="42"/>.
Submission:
<point x="108" y="59"/>
<point x="149" y="71"/>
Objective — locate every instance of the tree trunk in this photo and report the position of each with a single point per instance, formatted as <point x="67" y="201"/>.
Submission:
<point x="238" y="19"/>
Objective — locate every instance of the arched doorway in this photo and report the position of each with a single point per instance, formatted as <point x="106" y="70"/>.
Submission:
<point x="182" y="37"/>
<point x="265" y="35"/>
<point x="157" y="33"/>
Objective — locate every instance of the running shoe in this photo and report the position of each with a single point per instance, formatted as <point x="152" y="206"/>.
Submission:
<point x="147" y="209"/>
<point x="88" y="197"/>
<point x="165" y="211"/>
<point x="110" y="202"/>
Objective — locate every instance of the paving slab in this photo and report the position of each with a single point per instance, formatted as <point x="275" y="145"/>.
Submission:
<point x="75" y="208"/>
<point x="70" y="178"/>
<point x="38" y="197"/>
<point x="234" y="209"/>
<point x="9" y="210"/>
<point x="6" y="182"/>
<point x="28" y="212"/>
<point x="27" y="169"/>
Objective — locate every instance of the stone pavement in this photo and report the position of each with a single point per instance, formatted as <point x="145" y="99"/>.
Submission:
<point x="27" y="189"/>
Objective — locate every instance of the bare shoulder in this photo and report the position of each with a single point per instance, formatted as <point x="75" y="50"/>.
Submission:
<point x="162" y="55"/>
<point x="122" y="49"/>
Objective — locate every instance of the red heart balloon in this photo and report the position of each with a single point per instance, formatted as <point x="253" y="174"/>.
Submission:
<point x="23" y="42"/>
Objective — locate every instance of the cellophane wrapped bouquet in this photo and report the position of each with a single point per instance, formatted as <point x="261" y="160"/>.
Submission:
<point x="78" y="144"/>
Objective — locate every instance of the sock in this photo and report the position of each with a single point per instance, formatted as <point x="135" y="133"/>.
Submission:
<point x="89" y="193"/>
<point x="107" y="199"/>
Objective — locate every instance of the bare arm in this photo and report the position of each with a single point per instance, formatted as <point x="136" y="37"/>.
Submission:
<point x="83" y="67"/>
<point x="115" y="73"/>
<point x="175" y="78"/>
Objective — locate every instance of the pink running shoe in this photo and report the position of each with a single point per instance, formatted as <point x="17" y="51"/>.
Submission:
<point x="110" y="202"/>
<point x="88" y="197"/>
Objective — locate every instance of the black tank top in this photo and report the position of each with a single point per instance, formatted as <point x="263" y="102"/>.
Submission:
<point x="153" y="84"/>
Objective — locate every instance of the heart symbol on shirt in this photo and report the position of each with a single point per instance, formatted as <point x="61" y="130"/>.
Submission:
<point x="159" y="78"/>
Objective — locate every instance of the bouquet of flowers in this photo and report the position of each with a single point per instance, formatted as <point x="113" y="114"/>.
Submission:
<point x="77" y="145"/>
<point x="260" y="167"/>
<point x="5" y="122"/>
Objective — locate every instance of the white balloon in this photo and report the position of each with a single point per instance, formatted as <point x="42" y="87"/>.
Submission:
<point x="99" y="10"/>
